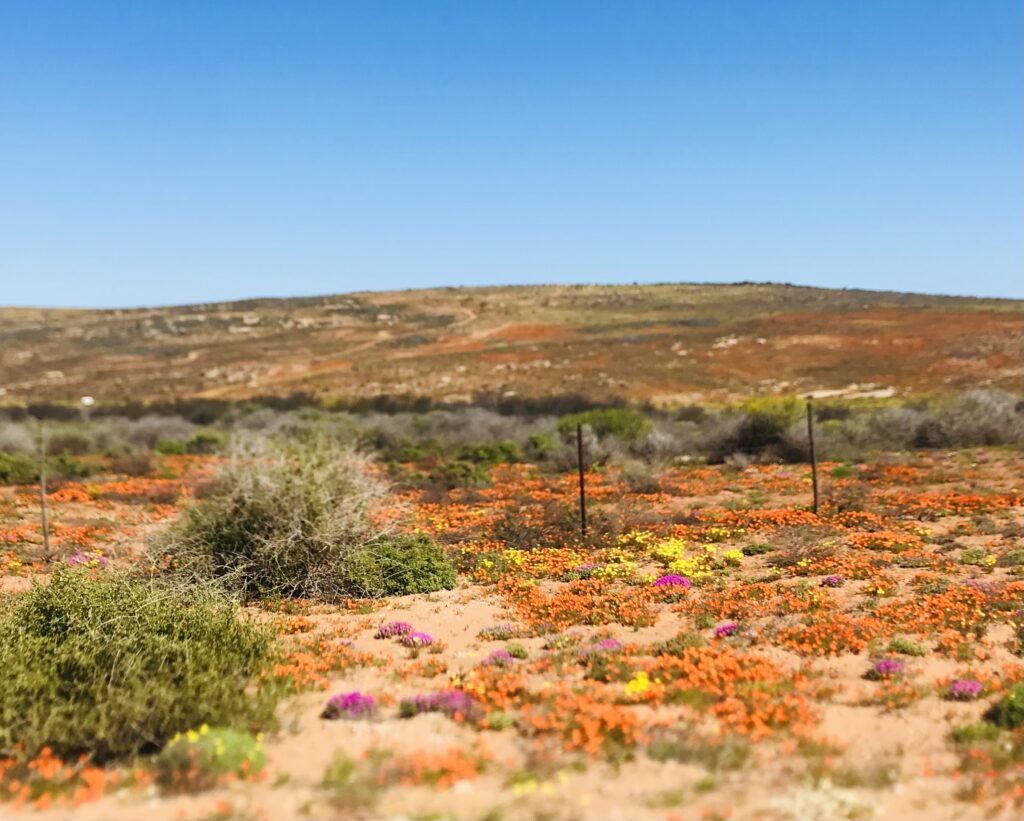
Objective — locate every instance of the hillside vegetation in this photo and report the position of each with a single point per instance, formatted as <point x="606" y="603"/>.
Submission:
<point x="665" y="344"/>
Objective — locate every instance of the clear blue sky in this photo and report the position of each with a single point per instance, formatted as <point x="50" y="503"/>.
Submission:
<point x="175" y="152"/>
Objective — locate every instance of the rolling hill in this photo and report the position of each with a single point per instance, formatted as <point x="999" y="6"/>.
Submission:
<point x="668" y="344"/>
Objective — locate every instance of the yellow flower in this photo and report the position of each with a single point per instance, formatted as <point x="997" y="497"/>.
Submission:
<point x="640" y="683"/>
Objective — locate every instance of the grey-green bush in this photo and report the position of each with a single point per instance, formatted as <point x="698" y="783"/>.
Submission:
<point x="290" y="519"/>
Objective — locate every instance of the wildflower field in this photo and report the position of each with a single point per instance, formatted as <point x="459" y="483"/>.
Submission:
<point x="711" y="649"/>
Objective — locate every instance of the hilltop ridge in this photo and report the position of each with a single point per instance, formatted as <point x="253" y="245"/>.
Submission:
<point x="669" y="344"/>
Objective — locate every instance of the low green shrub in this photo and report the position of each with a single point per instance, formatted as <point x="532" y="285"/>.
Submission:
<point x="204" y="758"/>
<point x="1008" y="712"/>
<point x="170" y="447"/>
<point x="397" y="566"/>
<point x="450" y="474"/>
<point x="907" y="647"/>
<point x="205" y="441"/>
<point x="18" y="469"/>
<point x="491" y="453"/>
<point x="517" y="651"/>
<point x="23" y="468"/>
<point x="679" y="643"/>
<point x="627" y="424"/>
<point x="974" y="733"/>
<point x="110" y="666"/>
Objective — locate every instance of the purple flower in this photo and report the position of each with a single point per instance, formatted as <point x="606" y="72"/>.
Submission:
<point x="91" y="559"/>
<point x="833" y="581"/>
<point x="673" y="580"/>
<point x="394" y="628"/>
<point x="583" y="571"/>
<point x="452" y="703"/>
<point x="500" y="658"/>
<point x="350" y="705"/>
<point x="605" y="646"/>
<point x="417" y="639"/>
<point x="886" y="668"/>
<point x="964" y="689"/>
<point x="729" y="628"/>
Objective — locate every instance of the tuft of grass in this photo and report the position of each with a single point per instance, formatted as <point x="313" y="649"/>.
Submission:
<point x="907" y="647"/>
<point x="974" y="733"/>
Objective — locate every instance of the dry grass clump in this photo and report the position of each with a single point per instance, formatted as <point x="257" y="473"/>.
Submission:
<point x="291" y="519"/>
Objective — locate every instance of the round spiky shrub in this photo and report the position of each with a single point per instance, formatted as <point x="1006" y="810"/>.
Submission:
<point x="111" y="666"/>
<point x="294" y="520"/>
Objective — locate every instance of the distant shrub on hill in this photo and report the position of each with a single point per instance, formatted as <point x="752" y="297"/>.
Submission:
<point x="23" y="468"/>
<point x="626" y="424"/>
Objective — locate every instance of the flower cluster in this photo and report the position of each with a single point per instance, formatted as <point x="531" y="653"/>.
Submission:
<point x="886" y="669"/>
<point x="87" y="558"/>
<point x="672" y="580"/>
<point x="964" y="689"/>
<point x="603" y="646"/>
<point x="350" y="705"/>
<point x="456" y="704"/>
<point x="499" y="658"/>
<point x="392" y="629"/>
<point x="417" y="639"/>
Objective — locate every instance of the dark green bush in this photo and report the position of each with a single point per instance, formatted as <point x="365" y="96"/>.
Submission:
<point x="18" y="469"/>
<point x="626" y="424"/>
<point x="110" y="666"/>
<point x="490" y="453"/>
<point x="1008" y="712"/>
<point x="23" y="468"/>
<point x="205" y="441"/>
<point x="170" y="447"/>
<point x="541" y="445"/>
<point x="449" y="475"/>
<point x="398" y="565"/>
<point x="293" y="519"/>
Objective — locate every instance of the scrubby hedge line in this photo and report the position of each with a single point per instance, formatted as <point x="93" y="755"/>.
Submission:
<point x="463" y="443"/>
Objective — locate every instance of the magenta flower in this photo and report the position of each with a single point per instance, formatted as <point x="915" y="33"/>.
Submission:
<point x="499" y="658"/>
<point x="885" y="669"/>
<point x="833" y="581"/>
<point x="729" y="628"/>
<point x="90" y="559"/>
<point x="417" y="639"/>
<point x="392" y="629"/>
<point x="964" y="689"/>
<point x="350" y="705"/>
<point x="605" y="646"/>
<point x="452" y="703"/>
<point x="673" y="580"/>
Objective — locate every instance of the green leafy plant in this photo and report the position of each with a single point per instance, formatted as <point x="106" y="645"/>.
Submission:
<point x="1008" y="712"/>
<point x="203" y="758"/>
